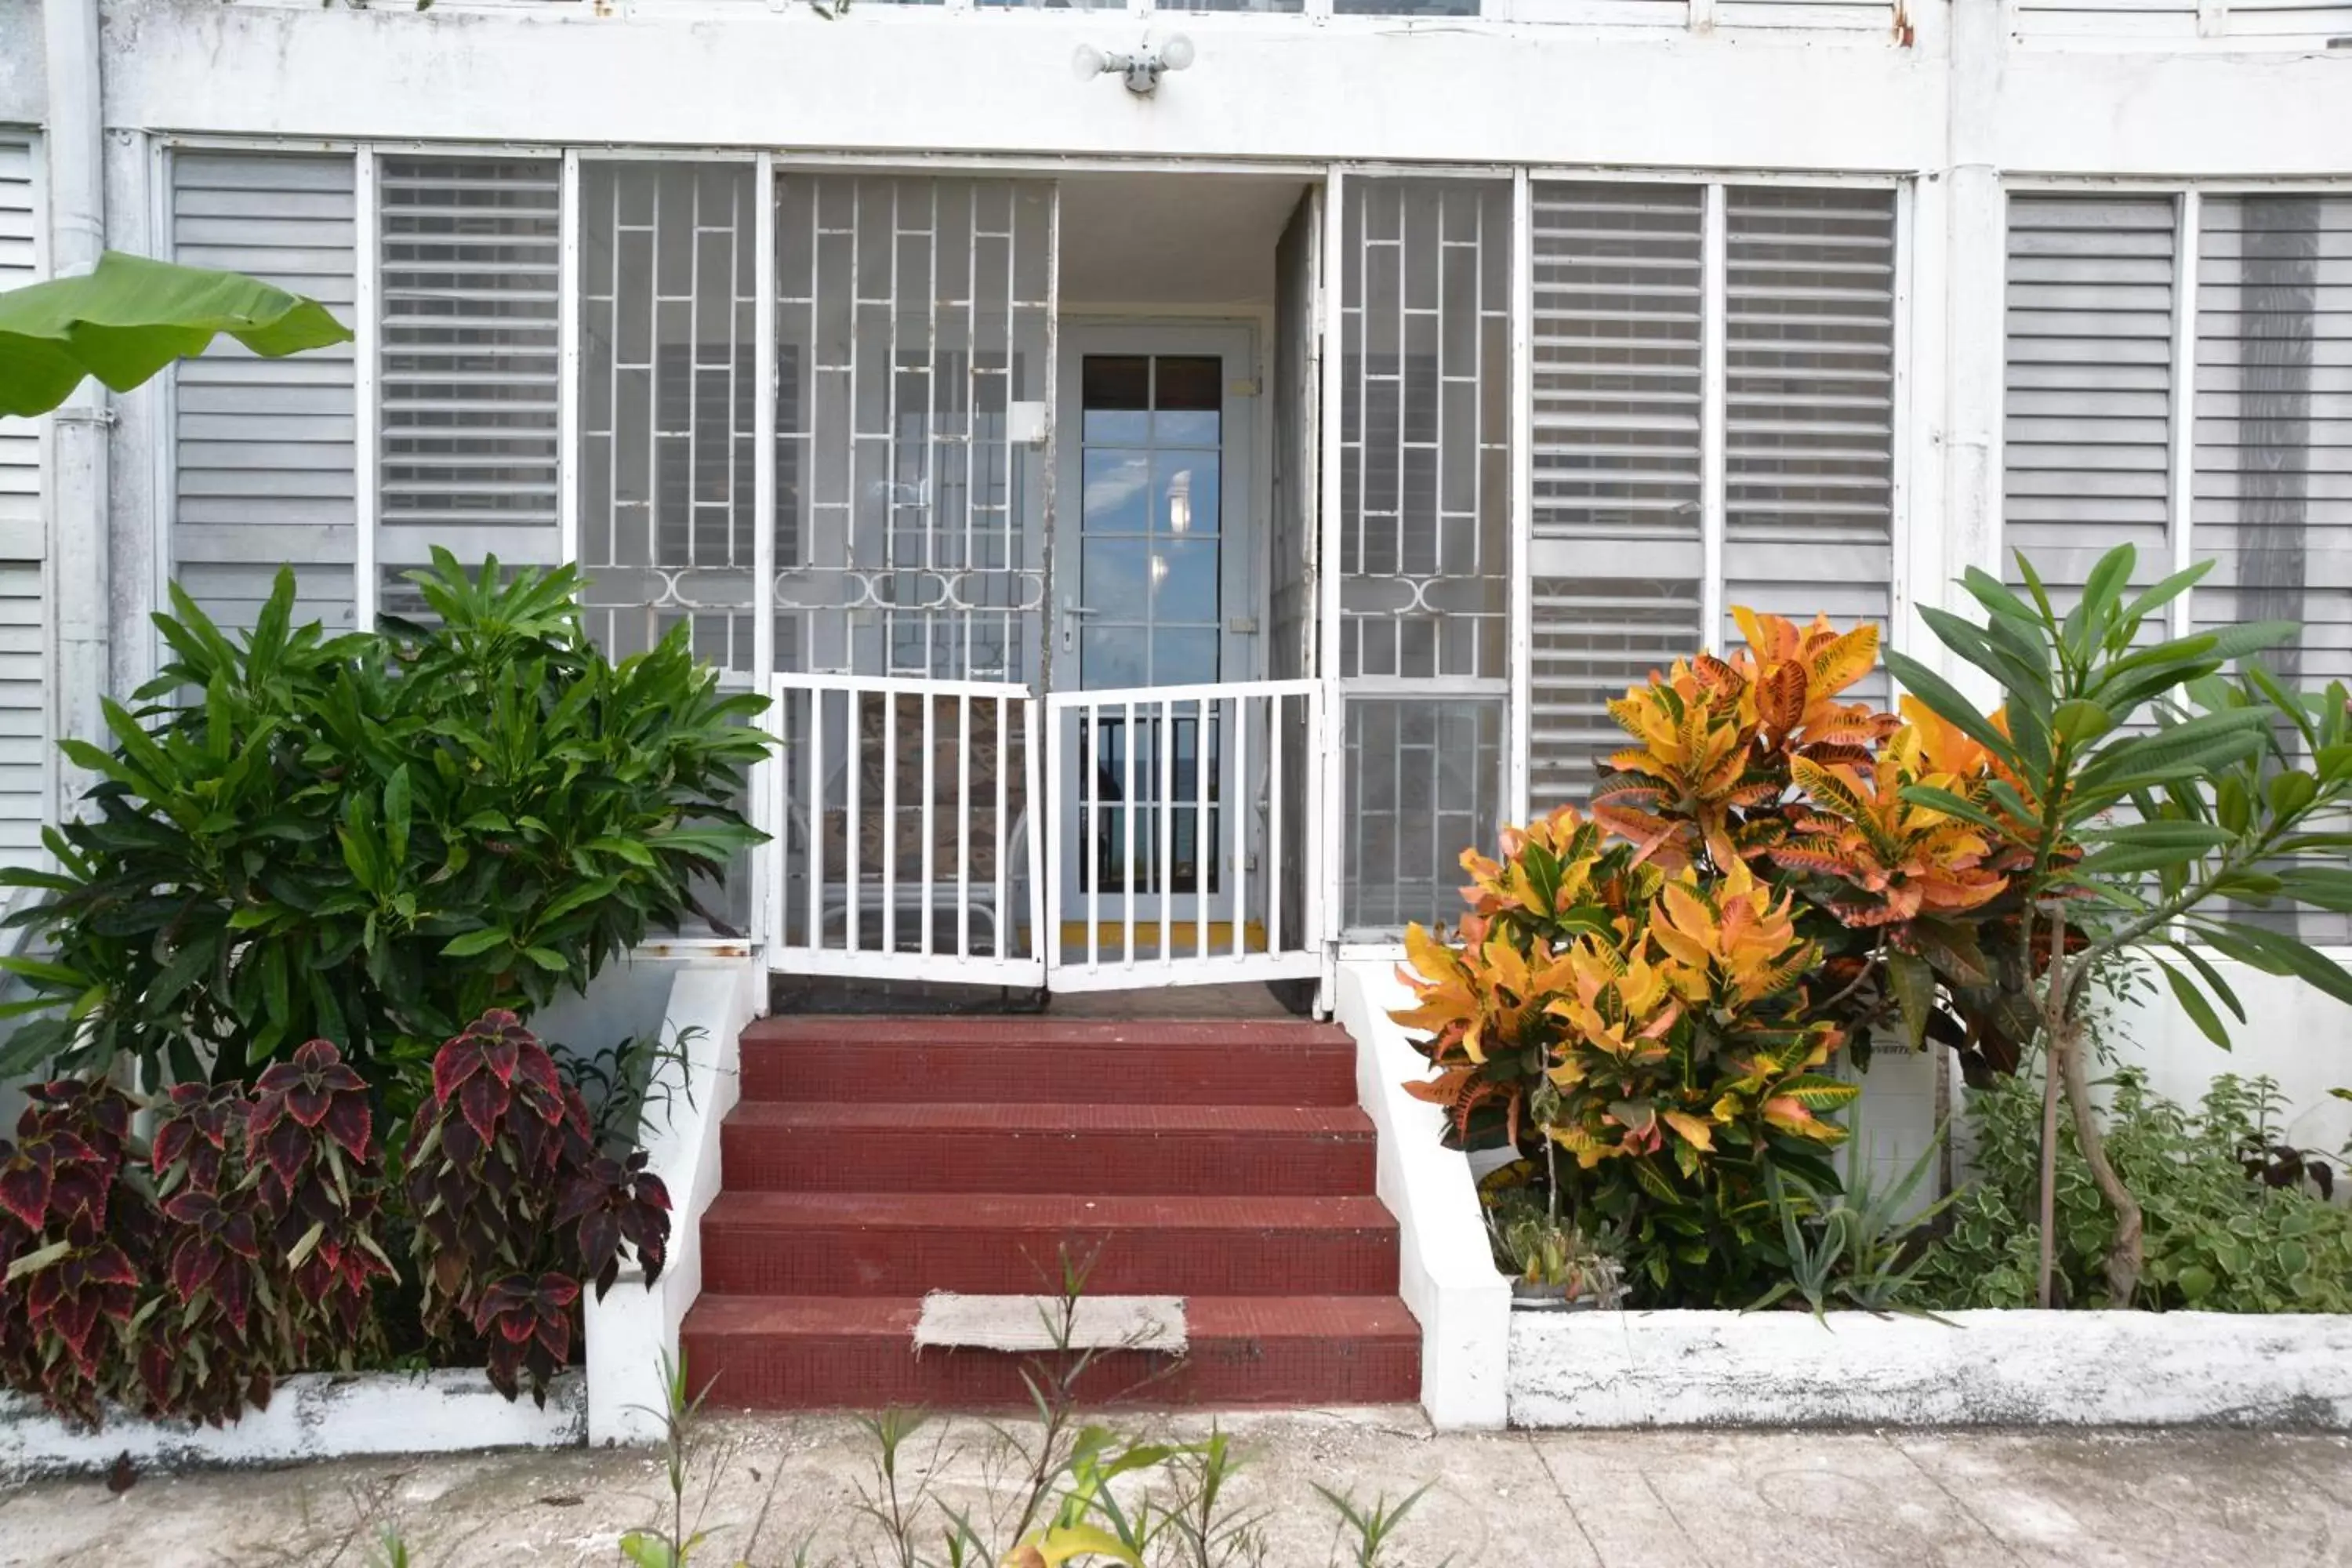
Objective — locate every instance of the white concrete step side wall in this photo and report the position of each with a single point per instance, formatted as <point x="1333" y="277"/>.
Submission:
<point x="1446" y="1274"/>
<point x="634" y="1329"/>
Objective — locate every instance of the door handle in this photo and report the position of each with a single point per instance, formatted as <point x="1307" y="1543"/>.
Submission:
<point x="1072" y="613"/>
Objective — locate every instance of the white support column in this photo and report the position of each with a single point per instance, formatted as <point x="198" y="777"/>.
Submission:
<point x="2181" y="501"/>
<point x="1713" y="284"/>
<point x="765" y="796"/>
<point x="567" y="359"/>
<point x="367" y="311"/>
<point x="78" y="476"/>
<point x="1922" y="352"/>
<point x="1975" y="269"/>
<point x="1521" y="558"/>
<point x="1903" y="410"/>
<point x="1333" y="739"/>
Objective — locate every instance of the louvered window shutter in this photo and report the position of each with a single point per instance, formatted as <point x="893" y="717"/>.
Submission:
<point x="264" y="454"/>
<point x="2274" y="431"/>
<point x="2273" y="441"/>
<point x="1809" y="406"/>
<point x="1617" y="556"/>
<point x="471" y="361"/>
<point x="2086" y="429"/>
<point x="23" y="731"/>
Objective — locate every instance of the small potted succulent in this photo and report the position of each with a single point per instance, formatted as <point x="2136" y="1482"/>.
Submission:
<point x="1556" y="1265"/>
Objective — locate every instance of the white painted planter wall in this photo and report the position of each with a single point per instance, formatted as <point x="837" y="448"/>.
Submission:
<point x="316" y="1416"/>
<point x="1446" y="1275"/>
<point x="2067" y="1369"/>
<point x="634" y="1329"/>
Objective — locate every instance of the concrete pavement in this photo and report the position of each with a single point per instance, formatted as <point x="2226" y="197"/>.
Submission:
<point x="1713" y="1500"/>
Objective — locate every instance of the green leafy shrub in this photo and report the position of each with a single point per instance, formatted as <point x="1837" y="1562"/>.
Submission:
<point x="2218" y="1238"/>
<point x="373" y="839"/>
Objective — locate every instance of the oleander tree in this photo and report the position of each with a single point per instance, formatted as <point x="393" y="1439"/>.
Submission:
<point x="2147" y="793"/>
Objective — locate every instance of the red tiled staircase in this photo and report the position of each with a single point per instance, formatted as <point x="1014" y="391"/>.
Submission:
<point x="873" y="1160"/>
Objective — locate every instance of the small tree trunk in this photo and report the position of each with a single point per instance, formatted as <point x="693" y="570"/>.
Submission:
<point x="2048" y="1215"/>
<point x="2053" y="1042"/>
<point x="2123" y="1257"/>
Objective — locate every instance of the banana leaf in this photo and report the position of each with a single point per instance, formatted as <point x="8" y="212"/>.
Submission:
<point x="132" y="316"/>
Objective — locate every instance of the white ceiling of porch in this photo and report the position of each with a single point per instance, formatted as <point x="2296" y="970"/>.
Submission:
<point x="1167" y="240"/>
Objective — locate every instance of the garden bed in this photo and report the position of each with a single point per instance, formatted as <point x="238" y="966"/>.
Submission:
<point x="312" y="1416"/>
<point x="1605" y="1370"/>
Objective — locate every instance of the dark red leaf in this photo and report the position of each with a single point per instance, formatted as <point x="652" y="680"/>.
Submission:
<point x="453" y="1065"/>
<point x="350" y="1124"/>
<point x="25" y="1192"/>
<point x="234" y="1289"/>
<point x="288" y="1150"/>
<point x="308" y="1104"/>
<point x="484" y="1100"/>
<point x="600" y="1239"/>
<point x="193" y="1268"/>
<point x="652" y="1191"/>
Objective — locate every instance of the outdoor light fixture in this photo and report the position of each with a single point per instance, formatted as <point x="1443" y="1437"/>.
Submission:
<point x="1140" y="70"/>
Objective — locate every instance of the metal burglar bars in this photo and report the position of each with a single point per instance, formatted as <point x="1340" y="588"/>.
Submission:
<point x="914" y="322"/>
<point x="903" y="829"/>
<point x="1183" y="822"/>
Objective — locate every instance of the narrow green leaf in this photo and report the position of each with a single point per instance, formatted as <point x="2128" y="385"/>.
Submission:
<point x="1944" y="700"/>
<point x="2193" y="1002"/>
<point x="2274" y="954"/>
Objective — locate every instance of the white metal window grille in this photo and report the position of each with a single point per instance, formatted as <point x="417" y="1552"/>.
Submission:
<point x="914" y="320"/>
<point x="667" y="392"/>
<point x="1713" y="425"/>
<point x="468" y="370"/>
<point x="1809" y="406"/>
<point x="1423" y="782"/>
<point x="1619" y="552"/>
<point x="265" y="453"/>
<point x="23" y="704"/>
<point x="1424" y="511"/>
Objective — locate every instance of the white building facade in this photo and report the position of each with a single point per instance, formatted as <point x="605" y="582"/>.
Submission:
<point x="1175" y="524"/>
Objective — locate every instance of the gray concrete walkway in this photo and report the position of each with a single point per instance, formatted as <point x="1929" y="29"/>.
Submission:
<point x="1506" y="1501"/>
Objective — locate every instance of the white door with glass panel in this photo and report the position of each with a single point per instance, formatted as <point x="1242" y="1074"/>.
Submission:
<point x="1154" y="601"/>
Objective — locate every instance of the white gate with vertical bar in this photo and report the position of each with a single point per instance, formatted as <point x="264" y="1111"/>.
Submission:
<point x="1185" y="864"/>
<point x="904" y="843"/>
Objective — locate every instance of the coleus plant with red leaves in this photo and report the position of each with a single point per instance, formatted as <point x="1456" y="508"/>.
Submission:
<point x="73" y="1239"/>
<point x="515" y="1204"/>
<point x="181" y="1279"/>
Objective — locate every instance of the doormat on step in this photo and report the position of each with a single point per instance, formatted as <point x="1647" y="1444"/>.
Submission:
<point x="1030" y="1323"/>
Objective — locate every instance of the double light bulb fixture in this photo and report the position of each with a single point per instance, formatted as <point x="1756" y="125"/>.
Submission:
<point x="1140" y="69"/>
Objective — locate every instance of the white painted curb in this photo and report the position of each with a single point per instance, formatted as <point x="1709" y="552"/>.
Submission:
<point x="633" y="1328"/>
<point x="1446" y="1275"/>
<point x="311" y="1415"/>
<point x="1610" y="1370"/>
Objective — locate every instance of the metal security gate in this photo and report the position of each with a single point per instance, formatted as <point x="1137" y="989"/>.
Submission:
<point x="913" y="454"/>
<point x="905" y="841"/>
<point x="1172" y="808"/>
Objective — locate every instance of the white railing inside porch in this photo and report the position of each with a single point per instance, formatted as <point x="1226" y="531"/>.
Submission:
<point x="1184" y="851"/>
<point x="905" y="835"/>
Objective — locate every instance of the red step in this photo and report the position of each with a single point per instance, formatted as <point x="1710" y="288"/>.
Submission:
<point x="785" y="1353"/>
<point x="810" y="1147"/>
<point x="905" y="1244"/>
<point x="1038" y="1059"/>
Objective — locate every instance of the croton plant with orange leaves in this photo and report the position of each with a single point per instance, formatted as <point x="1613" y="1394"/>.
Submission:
<point x="1657" y="991"/>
